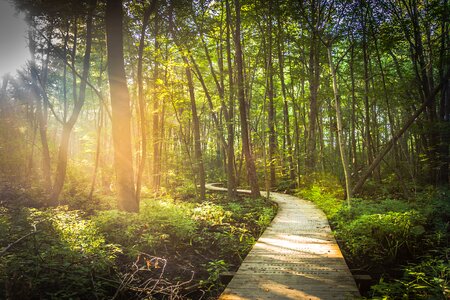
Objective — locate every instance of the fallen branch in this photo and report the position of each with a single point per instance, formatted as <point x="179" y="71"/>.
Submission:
<point x="5" y="249"/>
<point x="398" y="135"/>
<point x="145" y="266"/>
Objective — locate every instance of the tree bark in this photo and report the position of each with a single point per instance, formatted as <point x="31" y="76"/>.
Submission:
<point x="231" y="174"/>
<point x="271" y="106"/>
<point x="156" y="138"/>
<point x="444" y="107"/>
<point x="314" y="73"/>
<point x="251" y="169"/>
<point x="196" y="124"/>
<point x="41" y="116"/>
<point x="287" y="127"/>
<point x="337" y="103"/>
<point x="61" y="168"/>
<point x="120" y="104"/>
<point x="141" y="102"/>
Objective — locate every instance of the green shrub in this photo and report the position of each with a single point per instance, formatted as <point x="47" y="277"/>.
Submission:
<point x="61" y="255"/>
<point x="428" y="279"/>
<point x="360" y="207"/>
<point x="326" y="201"/>
<point x="214" y="268"/>
<point x="211" y="213"/>
<point x="380" y="238"/>
<point x="158" y="222"/>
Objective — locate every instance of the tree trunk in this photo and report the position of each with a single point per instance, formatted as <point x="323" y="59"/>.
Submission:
<point x="287" y="127"/>
<point x="196" y="124"/>
<point x="368" y="136"/>
<point x="41" y="117"/>
<point x="251" y="169"/>
<point x="120" y="106"/>
<point x="231" y="174"/>
<point x="444" y="107"/>
<point x="141" y="102"/>
<point x="61" y="168"/>
<point x="156" y="138"/>
<point x="353" y="151"/>
<point x="314" y="72"/>
<point x="359" y="184"/>
<point x="341" y="141"/>
<point x="271" y="106"/>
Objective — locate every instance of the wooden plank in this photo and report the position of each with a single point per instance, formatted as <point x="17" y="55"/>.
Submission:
<point x="296" y="257"/>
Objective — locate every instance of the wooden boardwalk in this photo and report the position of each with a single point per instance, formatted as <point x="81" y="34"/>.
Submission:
<point x="296" y="257"/>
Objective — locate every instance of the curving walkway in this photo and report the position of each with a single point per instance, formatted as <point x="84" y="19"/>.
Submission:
<point x="296" y="257"/>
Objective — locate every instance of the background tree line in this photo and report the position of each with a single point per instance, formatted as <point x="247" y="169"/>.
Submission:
<point x="261" y="93"/>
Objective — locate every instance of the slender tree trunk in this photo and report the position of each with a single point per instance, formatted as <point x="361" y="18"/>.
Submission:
<point x="353" y="121"/>
<point x="41" y="117"/>
<point x="231" y="183"/>
<point x="444" y="107"/>
<point x="120" y="104"/>
<point x="271" y="106"/>
<point x="341" y="142"/>
<point x="156" y="139"/>
<point x="359" y="184"/>
<point x="61" y="167"/>
<point x="287" y="127"/>
<point x="314" y="73"/>
<point x="251" y="169"/>
<point x="398" y="169"/>
<point x="97" y="152"/>
<point x="368" y="136"/>
<point x="141" y="102"/>
<point x="197" y="140"/>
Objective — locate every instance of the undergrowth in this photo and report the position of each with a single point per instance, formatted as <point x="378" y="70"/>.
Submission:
<point x="403" y="244"/>
<point x="173" y="246"/>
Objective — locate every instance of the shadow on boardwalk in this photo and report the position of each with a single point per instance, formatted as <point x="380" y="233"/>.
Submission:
<point x="296" y="257"/>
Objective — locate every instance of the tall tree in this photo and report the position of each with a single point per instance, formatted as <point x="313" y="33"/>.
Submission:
<point x="68" y="125"/>
<point x="246" y="144"/>
<point x="271" y="106"/>
<point x="231" y="183"/>
<point x="197" y="140"/>
<point x="340" y="136"/>
<point x="120" y="107"/>
<point x="141" y="101"/>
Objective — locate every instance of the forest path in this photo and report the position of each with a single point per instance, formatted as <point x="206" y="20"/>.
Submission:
<point x="296" y="257"/>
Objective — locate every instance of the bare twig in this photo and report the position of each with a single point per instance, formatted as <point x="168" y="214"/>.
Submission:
<point x="5" y="249"/>
<point x="146" y="266"/>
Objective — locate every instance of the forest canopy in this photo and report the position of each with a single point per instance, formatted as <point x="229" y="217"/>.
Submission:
<point x="262" y="93"/>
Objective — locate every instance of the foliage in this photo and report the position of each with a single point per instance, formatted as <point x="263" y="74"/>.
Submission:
<point x="382" y="238"/>
<point x="57" y="243"/>
<point x="384" y="234"/>
<point x="58" y="253"/>
<point x="430" y="278"/>
<point x="214" y="269"/>
<point x="211" y="214"/>
<point x="159" y="222"/>
<point x="325" y="201"/>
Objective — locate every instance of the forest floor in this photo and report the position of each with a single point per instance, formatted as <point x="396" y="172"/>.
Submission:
<point x="175" y="246"/>
<point x="178" y="245"/>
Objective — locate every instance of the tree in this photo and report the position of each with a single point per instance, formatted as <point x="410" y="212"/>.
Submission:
<point x="337" y="106"/>
<point x="61" y="168"/>
<point x="246" y="145"/>
<point x="120" y="107"/>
